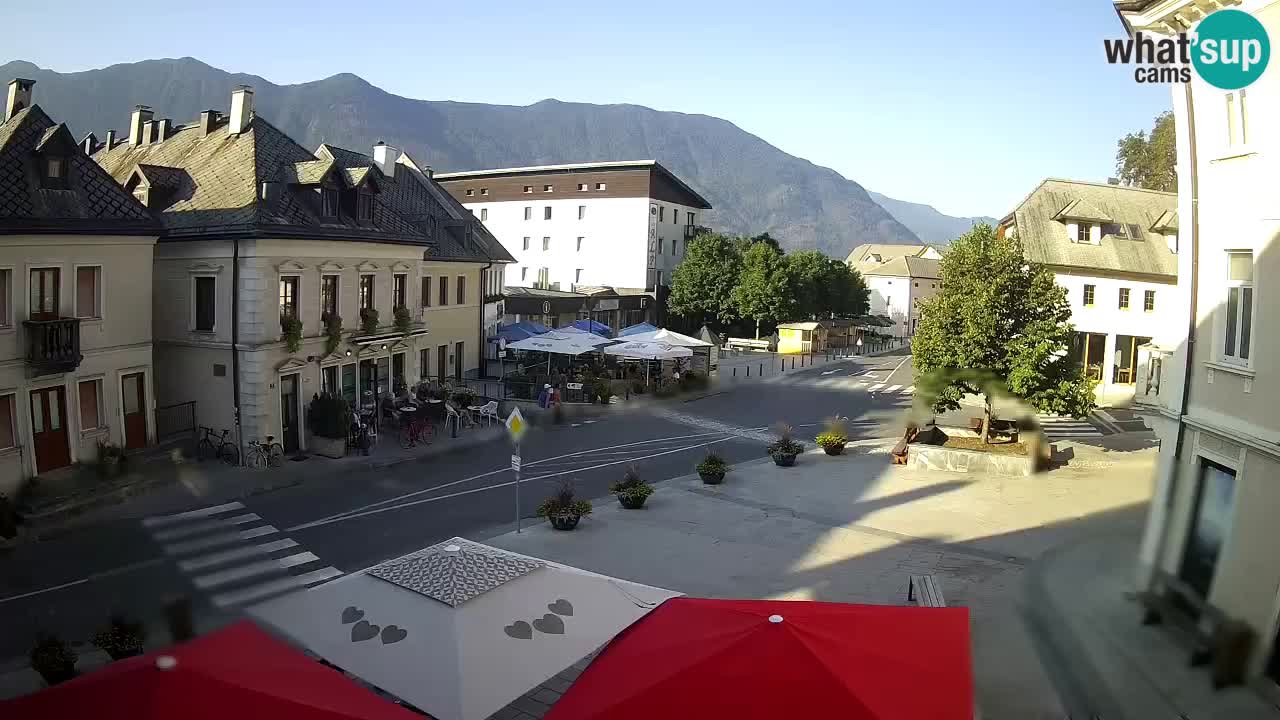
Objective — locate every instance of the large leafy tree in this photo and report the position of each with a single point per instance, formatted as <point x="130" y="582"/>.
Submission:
<point x="1150" y="161"/>
<point x="764" y="287"/>
<point x="703" y="283"/>
<point x="825" y="287"/>
<point x="999" y="325"/>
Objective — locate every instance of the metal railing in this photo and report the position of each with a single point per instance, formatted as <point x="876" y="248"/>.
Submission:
<point x="175" y="420"/>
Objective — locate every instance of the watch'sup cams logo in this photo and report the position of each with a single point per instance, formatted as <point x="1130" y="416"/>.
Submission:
<point x="1229" y="50"/>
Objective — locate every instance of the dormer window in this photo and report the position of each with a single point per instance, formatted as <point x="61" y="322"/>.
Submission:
<point x="364" y="207"/>
<point x="55" y="172"/>
<point x="329" y="202"/>
<point x="1083" y="232"/>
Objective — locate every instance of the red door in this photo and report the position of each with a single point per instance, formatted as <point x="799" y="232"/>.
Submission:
<point x="49" y="429"/>
<point x="133" y="395"/>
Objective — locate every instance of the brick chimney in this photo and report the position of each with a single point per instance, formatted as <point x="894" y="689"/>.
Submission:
<point x="241" y="109"/>
<point x="385" y="156"/>
<point x="19" y="97"/>
<point x="141" y="115"/>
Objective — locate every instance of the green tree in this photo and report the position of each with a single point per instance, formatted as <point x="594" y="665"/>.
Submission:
<point x="824" y="287"/>
<point x="702" y="284"/>
<point x="1000" y="324"/>
<point x="764" y="287"/>
<point x="1150" y="161"/>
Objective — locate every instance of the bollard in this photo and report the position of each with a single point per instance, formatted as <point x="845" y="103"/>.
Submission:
<point x="761" y="373"/>
<point x="735" y="372"/>
<point x="178" y="616"/>
<point x="748" y="371"/>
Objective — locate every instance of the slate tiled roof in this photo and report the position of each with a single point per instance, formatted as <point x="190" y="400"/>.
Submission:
<point x="1044" y="238"/>
<point x="91" y="203"/>
<point x="863" y="253"/>
<point x="262" y="183"/>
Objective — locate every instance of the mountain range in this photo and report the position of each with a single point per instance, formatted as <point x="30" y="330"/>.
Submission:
<point x="754" y="186"/>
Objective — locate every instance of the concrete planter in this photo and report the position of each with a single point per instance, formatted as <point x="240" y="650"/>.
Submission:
<point x="784" y="460"/>
<point x="833" y="449"/>
<point x="632" y="502"/>
<point x="933" y="457"/>
<point x="335" y="448"/>
<point x="712" y="478"/>
<point x="564" y="522"/>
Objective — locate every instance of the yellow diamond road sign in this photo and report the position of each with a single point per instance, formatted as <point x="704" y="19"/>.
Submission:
<point x="516" y="425"/>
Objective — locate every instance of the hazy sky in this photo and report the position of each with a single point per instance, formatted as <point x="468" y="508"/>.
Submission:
<point x="965" y="106"/>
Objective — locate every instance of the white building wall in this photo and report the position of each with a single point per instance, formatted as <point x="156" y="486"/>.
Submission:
<point x="891" y="296"/>
<point x="614" y="232"/>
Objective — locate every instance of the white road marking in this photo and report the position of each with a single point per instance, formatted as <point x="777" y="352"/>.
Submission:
<point x="239" y="597"/>
<point x="896" y="369"/>
<point x="353" y="515"/>
<point x="190" y="514"/>
<point x="226" y="556"/>
<point x="220" y="539"/>
<point x="86" y="579"/>
<point x="503" y="469"/>
<point x="203" y="527"/>
<point x="828" y="372"/>
<point x="876" y="387"/>
<point x="893" y="388"/>
<point x="222" y="577"/>
<point x="910" y="389"/>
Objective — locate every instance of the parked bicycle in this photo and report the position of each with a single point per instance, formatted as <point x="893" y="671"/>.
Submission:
<point x="264" y="454"/>
<point x="217" y="446"/>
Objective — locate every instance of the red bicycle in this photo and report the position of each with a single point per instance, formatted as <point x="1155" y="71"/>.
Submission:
<point x="414" y="428"/>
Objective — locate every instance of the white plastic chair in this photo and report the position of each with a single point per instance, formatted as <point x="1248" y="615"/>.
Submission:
<point x="488" y="411"/>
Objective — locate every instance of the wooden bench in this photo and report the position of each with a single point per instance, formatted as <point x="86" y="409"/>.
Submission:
<point x="1211" y="635"/>
<point x="998" y="427"/>
<point x="923" y="590"/>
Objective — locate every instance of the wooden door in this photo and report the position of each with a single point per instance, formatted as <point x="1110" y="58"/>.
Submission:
<point x="44" y="286"/>
<point x="49" y="429"/>
<point x="133" y="399"/>
<point x="289" y="413"/>
<point x="457" y="362"/>
<point x="442" y="361"/>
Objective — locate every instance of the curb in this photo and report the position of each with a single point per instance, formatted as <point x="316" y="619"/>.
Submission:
<point x="1109" y="422"/>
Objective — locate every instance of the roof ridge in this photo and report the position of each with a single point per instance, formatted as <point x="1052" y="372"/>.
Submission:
<point x="1106" y="185"/>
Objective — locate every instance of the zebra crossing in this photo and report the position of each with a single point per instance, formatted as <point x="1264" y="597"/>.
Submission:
<point x="234" y="555"/>
<point x="1068" y="428"/>
<point x="855" y="381"/>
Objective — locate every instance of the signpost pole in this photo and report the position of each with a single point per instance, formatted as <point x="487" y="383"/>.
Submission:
<point x="518" y="530"/>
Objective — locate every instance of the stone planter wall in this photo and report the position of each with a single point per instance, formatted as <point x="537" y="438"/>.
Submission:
<point x="933" y="457"/>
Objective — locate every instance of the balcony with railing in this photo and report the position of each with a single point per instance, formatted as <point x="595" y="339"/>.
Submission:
<point x="692" y="231"/>
<point x="53" y="346"/>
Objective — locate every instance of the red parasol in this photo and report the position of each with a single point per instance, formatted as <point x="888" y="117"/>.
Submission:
<point x="711" y="659"/>
<point x="236" y="672"/>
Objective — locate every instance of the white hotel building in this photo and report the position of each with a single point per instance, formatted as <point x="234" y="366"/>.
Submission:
<point x="617" y="224"/>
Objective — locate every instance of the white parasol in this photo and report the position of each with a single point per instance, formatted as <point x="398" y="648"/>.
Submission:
<point x="460" y="629"/>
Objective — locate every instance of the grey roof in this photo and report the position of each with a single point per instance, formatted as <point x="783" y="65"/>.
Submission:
<point x="653" y="165"/>
<point x="512" y="291"/>
<point x="1044" y="238"/>
<point x="863" y="253"/>
<point x="1083" y="210"/>
<point x="91" y="203"/>
<point x="219" y="177"/>
<point x="912" y="267"/>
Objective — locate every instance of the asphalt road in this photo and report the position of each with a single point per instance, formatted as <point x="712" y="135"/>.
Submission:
<point x="337" y="525"/>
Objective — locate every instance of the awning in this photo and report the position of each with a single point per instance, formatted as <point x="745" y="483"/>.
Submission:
<point x="593" y="327"/>
<point x="590" y="337"/>
<point x="460" y="629"/>
<point x="557" y="343"/>
<point x="522" y="330"/>
<point x="647" y="351"/>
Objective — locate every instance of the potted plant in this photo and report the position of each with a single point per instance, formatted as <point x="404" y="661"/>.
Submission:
<point x="603" y="390"/>
<point x="784" y="450"/>
<point x="329" y="418"/>
<point x="833" y="437"/>
<point x="403" y="320"/>
<point x="332" y="333"/>
<point x="631" y="490"/>
<point x="463" y="397"/>
<point x="53" y="658"/>
<point x="369" y="320"/>
<point x="291" y="328"/>
<point x="563" y="509"/>
<point x="712" y="469"/>
<point x="121" y="638"/>
<point x="111" y="460"/>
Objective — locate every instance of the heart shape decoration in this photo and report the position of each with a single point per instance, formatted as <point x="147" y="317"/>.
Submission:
<point x="549" y="624"/>
<point x="561" y="607"/>
<point x="393" y="634"/>
<point x="519" y="630"/>
<point x="363" y="630"/>
<point x="351" y="614"/>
